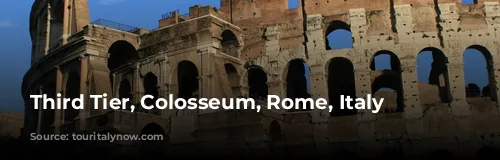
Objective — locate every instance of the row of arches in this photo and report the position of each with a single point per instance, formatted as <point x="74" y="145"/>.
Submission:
<point x="386" y="63"/>
<point x="340" y="80"/>
<point x="71" y="90"/>
<point x="431" y="65"/>
<point x="389" y="79"/>
<point x="122" y="52"/>
<point x="187" y="78"/>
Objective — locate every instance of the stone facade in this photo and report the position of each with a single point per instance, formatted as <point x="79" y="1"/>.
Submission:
<point x="11" y="124"/>
<point x="256" y="48"/>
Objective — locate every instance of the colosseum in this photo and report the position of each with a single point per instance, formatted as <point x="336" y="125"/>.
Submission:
<point x="254" y="48"/>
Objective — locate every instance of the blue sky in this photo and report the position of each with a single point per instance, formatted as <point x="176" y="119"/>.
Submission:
<point x="16" y="44"/>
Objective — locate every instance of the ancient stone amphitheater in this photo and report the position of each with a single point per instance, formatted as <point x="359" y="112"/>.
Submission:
<point x="260" y="47"/>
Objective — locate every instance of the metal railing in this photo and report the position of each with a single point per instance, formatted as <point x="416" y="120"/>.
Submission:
<point x="115" y="25"/>
<point x="181" y="18"/>
<point x="169" y="14"/>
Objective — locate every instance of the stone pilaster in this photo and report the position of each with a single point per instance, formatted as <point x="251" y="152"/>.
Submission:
<point x="449" y="21"/>
<point x="319" y="89"/>
<point x="136" y="84"/>
<point x="492" y="12"/>
<point x="410" y="92"/>
<point x="359" y="25"/>
<point x="315" y="35"/>
<point x="39" y="111"/>
<point x="163" y="84"/>
<point x="47" y="36"/>
<point x="84" y="113"/>
<point x="457" y="86"/>
<point x="66" y="22"/>
<point x="206" y="79"/>
<point x="58" y="113"/>
<point x="363" y="88"/>
<point x="404" y="23"/>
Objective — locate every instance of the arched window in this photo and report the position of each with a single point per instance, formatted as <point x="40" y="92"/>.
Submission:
<point x="297" y="80"/>
<point x="72" y="91"/>
<point x="187" y="75"/>
<point x="151" y="88"/>
<point x="432" y="70"/>
<point x="388" y="84"/>
<point x="479" y="73"/>
<point x="257" y="83"/>
<point x="230" y="43"/>
<point x="341" y="82"/>
<point x="121" y="53"/>
<point x="338" y="36"/>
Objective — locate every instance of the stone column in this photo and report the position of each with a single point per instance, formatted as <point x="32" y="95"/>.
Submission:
<point x="410" y="90"/>
<point x="39" y="111"/>
<point x="206" y="78"/>
<point x="363" y="88"/>
<point x="66" y="23"/>
<point x="319" y="89"/>
<point x="456" y="76"/>
<point x="206" y="74"/>
<point x="366" y="127"/>
<point x="84" y="113"/>
<point x="162" y="82"/>
<point x="136" y="82"/>
<point x="413" y="111"/>
<point x="319" y="117"/>
<point x="58" y="112"/>
<point x="47" y="36"/>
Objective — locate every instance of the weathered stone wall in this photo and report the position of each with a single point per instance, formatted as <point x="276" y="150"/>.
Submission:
<point x="269" y="35"/>
<point x="11" y="124"/>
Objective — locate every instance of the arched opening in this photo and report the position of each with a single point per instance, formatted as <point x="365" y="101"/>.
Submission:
<point x="341" y="81"/>
<point x="233" y="77"/>
<point x="125" y="91"/>
<point x="151" y="88"/>
<point x="388" y="81"/>
<point x="230" y="43"/>
<point x="472" y="90"/>
<point x="385" y="60"/>
<point x="48" y="115"/>
<point x="297" y="82"/>
<point x="151" y="149"/>
<point x="121" y="53"/>
<point x="432" y="71"/>
<point x="72" y="91"/>
<point x="56" y="23"/>
<point x="390" y="96"/>
<point x="338" y="36"/>
<point x="257" y="83"/>
<point x="187" y="77"/>
<point x="479" y="73"/>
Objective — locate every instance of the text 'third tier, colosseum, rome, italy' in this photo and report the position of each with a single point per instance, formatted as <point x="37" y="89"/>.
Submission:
<point x="254" y="48"/>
